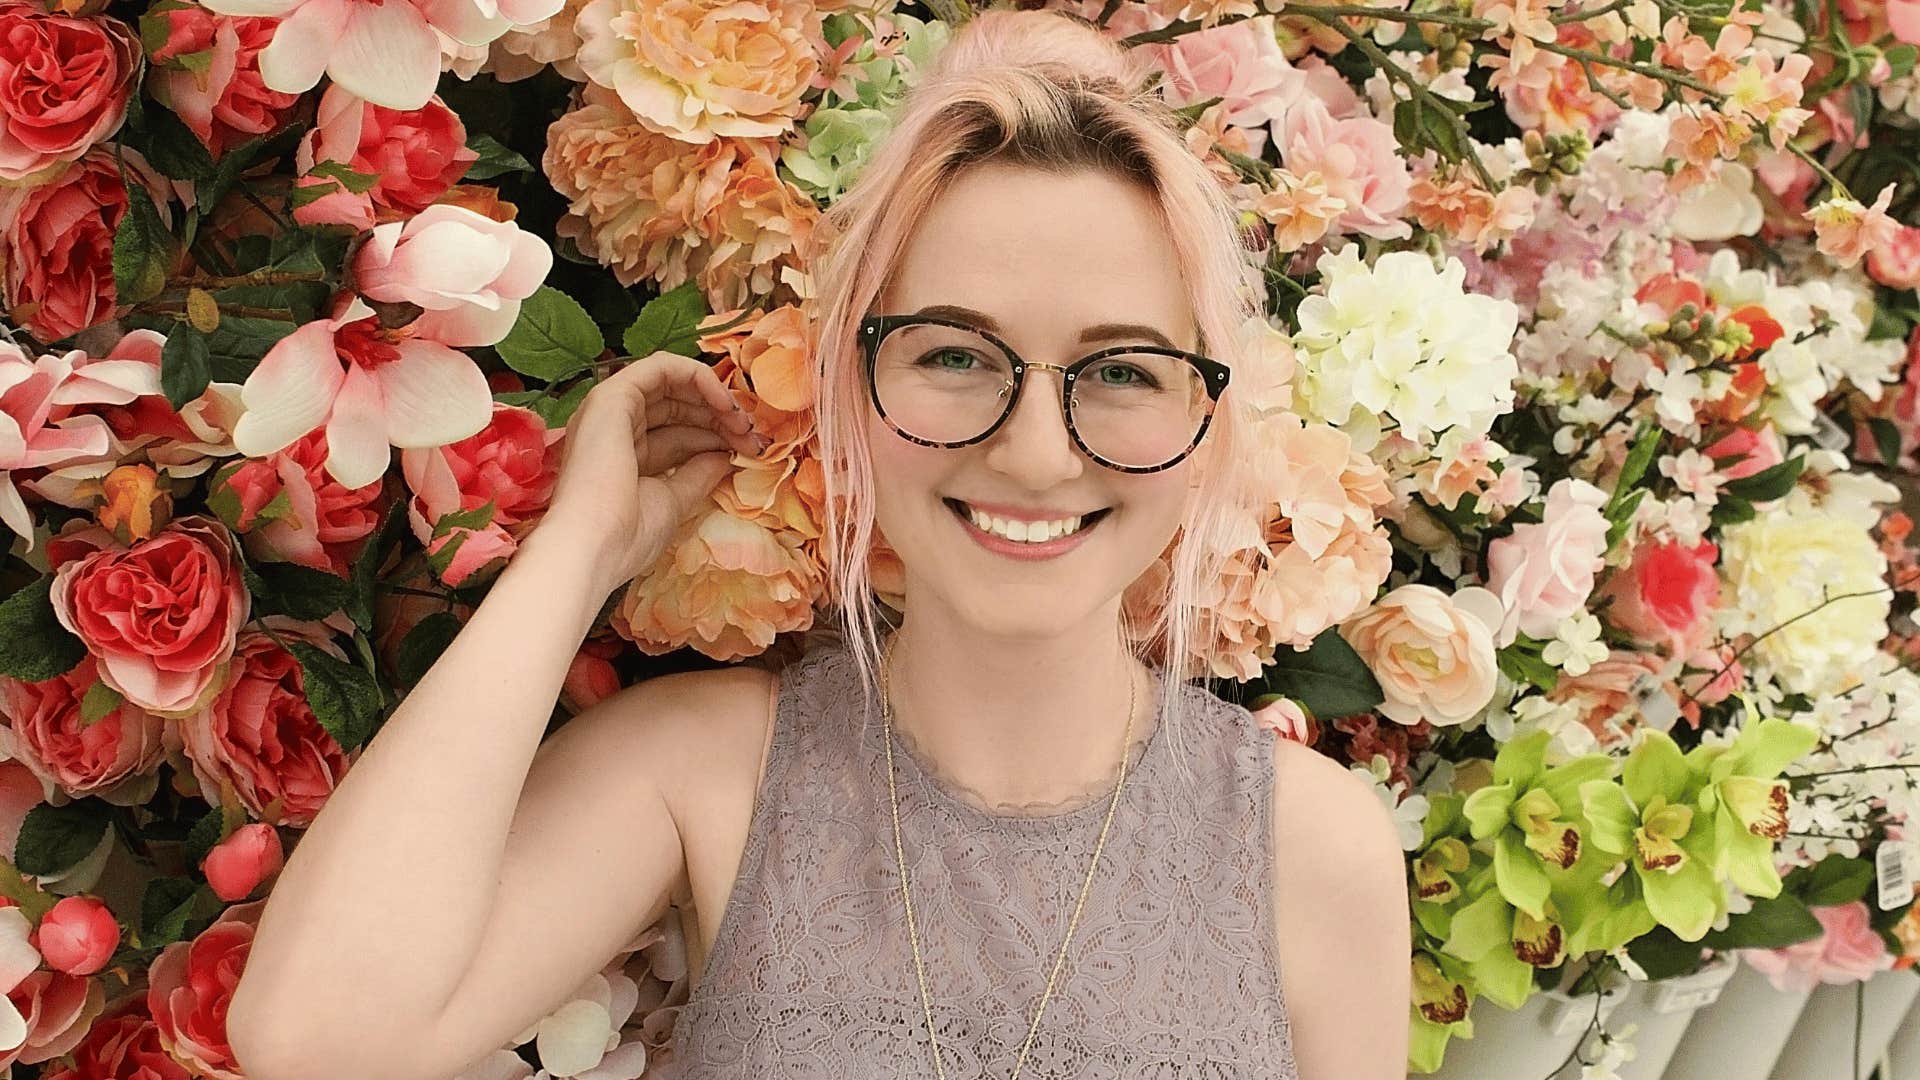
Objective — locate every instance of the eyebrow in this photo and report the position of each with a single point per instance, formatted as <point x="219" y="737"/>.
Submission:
<point x="1106" y="331"/>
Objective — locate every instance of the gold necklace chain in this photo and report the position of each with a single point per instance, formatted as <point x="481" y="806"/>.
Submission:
<point x="906" y="897"/>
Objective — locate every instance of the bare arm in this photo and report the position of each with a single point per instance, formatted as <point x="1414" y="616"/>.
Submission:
<point x="382" y="903"/>
<point x="1345" y="938"/>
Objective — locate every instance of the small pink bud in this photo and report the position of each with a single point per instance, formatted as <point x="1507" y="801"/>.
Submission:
<point x="238" y="864"/>
<point x="78" y="935"/>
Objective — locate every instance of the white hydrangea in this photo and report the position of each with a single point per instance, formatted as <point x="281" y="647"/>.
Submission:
<point x="1403" y="340"/>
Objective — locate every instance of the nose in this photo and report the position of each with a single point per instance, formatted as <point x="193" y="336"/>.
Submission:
<point x="1033" y="444"/>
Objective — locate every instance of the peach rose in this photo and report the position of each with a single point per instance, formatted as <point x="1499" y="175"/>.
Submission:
<point x="160" y="616"/>
<point x="1239" y="63"/>
<point x="1544" y="572"/>
<point x="724" y="586"/>
<point x="319" y="523"/>
<point x="77" y="935"/>
<point x="1605" y="694"/>
<point x="259" y="735"/>
<point x="191" y="985"/>
<point x="696" y="69"/>
<point x="237" y="865"/>
<point x="511" y="463"/>
<point x="124" y="1042"/>
<point x="1359" y="161"/>
<point x="115" y="755"/>
<point x="1434" y="661"/>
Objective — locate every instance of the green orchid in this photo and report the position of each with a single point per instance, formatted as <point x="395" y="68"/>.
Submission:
<point x="1647" y="817"/>
<point x="1502" y="946"/>
<point x="1441" y="998"/>
<point x="1444" y="857"/>
<point x="1533" y="815"/>
<point x="1743" y="783"/>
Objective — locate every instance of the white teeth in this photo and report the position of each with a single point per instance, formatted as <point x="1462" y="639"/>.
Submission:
<point x="1038" y="532"/>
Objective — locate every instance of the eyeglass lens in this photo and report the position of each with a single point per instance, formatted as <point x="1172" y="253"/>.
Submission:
<point x="947" y="384"/>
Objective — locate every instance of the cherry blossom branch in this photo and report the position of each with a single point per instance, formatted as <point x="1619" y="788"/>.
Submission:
<point x="1823" y="604"/>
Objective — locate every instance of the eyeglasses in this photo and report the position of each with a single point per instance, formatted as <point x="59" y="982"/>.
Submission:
<point x="1132" y="408"/>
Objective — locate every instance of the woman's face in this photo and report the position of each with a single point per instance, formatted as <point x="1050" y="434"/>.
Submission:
<point x="1041" y="259"/>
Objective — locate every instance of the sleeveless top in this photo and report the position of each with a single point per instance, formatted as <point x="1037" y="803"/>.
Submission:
<point x="1173" y="973"/>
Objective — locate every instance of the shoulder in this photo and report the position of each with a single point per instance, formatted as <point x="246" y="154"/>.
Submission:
<point x="1331" y="832"/>
<point x="697" y="733"/>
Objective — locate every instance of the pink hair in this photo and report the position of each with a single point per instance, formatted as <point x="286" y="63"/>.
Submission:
<point x="1046" y="90"/>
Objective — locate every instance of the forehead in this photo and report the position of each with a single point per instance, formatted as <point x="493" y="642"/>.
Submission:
<point x="1045" y="254"/>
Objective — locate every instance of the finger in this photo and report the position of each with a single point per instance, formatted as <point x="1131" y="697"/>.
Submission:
<point x="672" y="446"/>
<point x="664" y="411"/>
<point x="693" y="482"/>
<point x="684" y="378"/>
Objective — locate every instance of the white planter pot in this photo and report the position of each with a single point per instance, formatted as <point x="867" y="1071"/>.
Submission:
<point x="1739" y="1036"/>
<point x="1821" y="1047"/>
<point x="1526" y="1043"/>
<point x="1663" y="1010"/>
<point x="1904" y="1053"/>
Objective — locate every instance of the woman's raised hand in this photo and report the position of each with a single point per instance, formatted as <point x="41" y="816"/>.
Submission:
<point x="660" y="412"/>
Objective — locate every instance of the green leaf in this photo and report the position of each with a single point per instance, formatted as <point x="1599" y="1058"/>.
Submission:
<point x="1663" y="956"/>
<point x="669" y="323"/>
<point x="1773" y="923"/>
<point x="176" y="909"/>
<point x="366" y="565"/>
<point x="1768" y="484"/>
<point x="553" y="338"/>
<point x="344" y="698"/>
<point x="205" y="834"/>
<point x="1900" y="58"/>
<point x="1886" y="439"/>
<point x="423" y="645"/>
<point x="186" y="365"/>
<point x="357" y="182"/>
<point x="496" y="159"/>
<point x="1731" y="510"/>
<point x="1646" y="443"/>
<point x="33" y="645"/>
<point x="99" y="702"/>
<point x="142" y="249"/>
<point x="284" y="588"/>
<point x="477" y="518"/>
<point x="1329" y="678"/>
<point x="173" y="148"/>
<point x="54" y="838"/>
<point x="1835" y="879"/>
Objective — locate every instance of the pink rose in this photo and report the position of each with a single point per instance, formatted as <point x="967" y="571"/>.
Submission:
<point x="237" y="865"/>
<point x="1903" y="17"/>
<point x="321" y="521"/>
<point x="161" y="615"/>
<point x="1240" y="63"/>
<point x="56" y="244"/>
<point x="1753" y="451"/>
<point x="1897" y="265"/>
<point x="259" y="736"/>
<point x="77" y="935"/>
<point x="58" y="1009"/>
<point x="1849" y="950"/>
<point x="468" y="271"/>
<point x="123" y="1043"/>
<point x="1543" y="572"/>
<point x="109" y="756"/>
<point x="1666" y="594"/>
<point x="511" y="463"/>
<point x="1358" y="159"/>
<point x="1285" y="717"/>
<point x="415" y="155"/>
<point x="63" y="87"/>
<point x="190" y="987"/>
<point x="221" y="98"/>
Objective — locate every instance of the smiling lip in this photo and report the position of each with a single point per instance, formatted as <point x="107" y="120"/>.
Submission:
<point x="1014" y="513"/>
<point x="1014" y="549"/>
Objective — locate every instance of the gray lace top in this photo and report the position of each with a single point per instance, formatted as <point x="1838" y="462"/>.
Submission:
<point x="1173" y="972"/>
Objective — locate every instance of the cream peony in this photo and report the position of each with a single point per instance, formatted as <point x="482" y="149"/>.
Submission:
<point x="1434" y="661"/>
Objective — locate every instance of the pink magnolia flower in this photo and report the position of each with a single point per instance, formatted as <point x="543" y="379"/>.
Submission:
<point x="1543" y="572"/>
<point x="31" y="435"/>
<point x="77" y="935"/>
<point x="511" y="463"/>
<point x="370" y="387"/>
<point x="237" y="865"/>
<point x="414" y="155"/>
<point x="1358" y="160"/>
<point x="1849" y="950"/>
<point x="382" y="50"/>
<point x="468" y="271"/>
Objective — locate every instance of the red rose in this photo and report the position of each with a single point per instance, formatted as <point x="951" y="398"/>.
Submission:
<point x="125" y="1042"/>
<point x="190" y="986"/>
<point x="160" y="616"/>
<point x="223" y="100"/>
<point x="237" y="865"/>
<point x="56" y="244"/>
<point x="416" y="154"/>
<point x="259" y="735"/>
<point x="324" y="520"/>
<point x="115" y="756"/>
<point x="63" y="86"/>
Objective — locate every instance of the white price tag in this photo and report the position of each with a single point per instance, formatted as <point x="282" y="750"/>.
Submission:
<point x="1890" y="866"/>
<point x="1657" y="707"/>
<point x="1828" y="434"/>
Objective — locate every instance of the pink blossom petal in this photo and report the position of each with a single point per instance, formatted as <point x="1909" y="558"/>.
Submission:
<point x="434" y="395"/>
<point x="357" y="449"/>
<point x="469" y="325"/>
<point x="302" y="45"/>
<point x="531" y="262"/>
<point x="387" y="55"/>
<point x="443" y="265"/>
<point x="275" y="8"/>
<point x="467" y="22"/>
<point x="13" y="510"/>
<point x="290" y="393"/>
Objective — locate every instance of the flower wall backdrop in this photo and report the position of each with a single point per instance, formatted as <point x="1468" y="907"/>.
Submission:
<point x="1588" y="383"/>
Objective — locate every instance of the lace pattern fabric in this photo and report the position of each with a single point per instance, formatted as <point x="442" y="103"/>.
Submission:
<point x="1173" y="973"/>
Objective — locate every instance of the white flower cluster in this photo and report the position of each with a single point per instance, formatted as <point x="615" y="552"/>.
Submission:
<point x="1870" y="731"/>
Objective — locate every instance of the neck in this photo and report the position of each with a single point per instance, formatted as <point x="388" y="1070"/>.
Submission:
<point x="1018" y="722"/>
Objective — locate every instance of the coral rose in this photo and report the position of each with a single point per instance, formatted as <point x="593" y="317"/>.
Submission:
<point x="511" y="463"/>
<point x="1667" y="594"/>
<point x="56" y="244"/>
<point x="160" y="616"/>
<point x="237" y="865"/>
<point x="288" y="509"/>
<point x="77" y="935"/>
<point x="259" y="736"/>
<point x="115" y="754"/>
<point x="190" y="987"/>
<point x="695" y="69"/>
<point x="124" y="1042"/>
<point x="225" y="102"/>
<point x="1434" y="661"/>
<point x="64" y="84"/>
<point x="412" y="155"/>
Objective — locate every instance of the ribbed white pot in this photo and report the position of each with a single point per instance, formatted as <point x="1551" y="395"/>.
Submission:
<point x="1527" y="1043"/>
<point x="1664" y="1010"/>
<point x="1822" y="1045"/>
<point x="1739" y="1036"/>
<point x="1904" y="1052"/>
